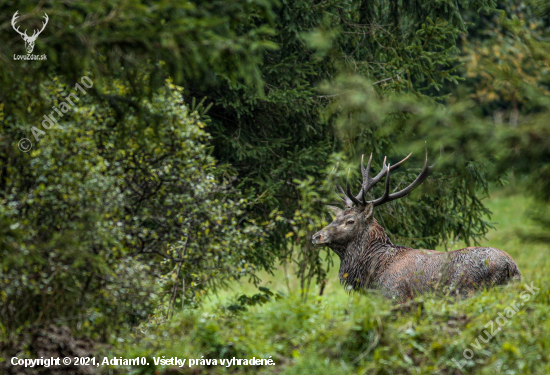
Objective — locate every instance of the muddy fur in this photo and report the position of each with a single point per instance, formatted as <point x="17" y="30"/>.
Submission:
<point x="369" y="260"/>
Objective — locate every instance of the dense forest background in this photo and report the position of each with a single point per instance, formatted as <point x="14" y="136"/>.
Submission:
<point x="209" y="138"/>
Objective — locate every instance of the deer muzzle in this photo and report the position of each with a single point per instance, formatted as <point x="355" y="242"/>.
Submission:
<point x="319" y="238"/>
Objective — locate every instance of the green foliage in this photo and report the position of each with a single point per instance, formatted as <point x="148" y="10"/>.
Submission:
<point x="507" y="71"/>
<point x="363" y="336"/>
<point x="142" y="201"/>
<point x="354" y="334"/>
<point x="278" y="137"/>
<point x="506" y="66"/>
<point x="260" y="65"/>
<point x="210" y="40"/>
<point x="508" y="52"/>
<point x="140" y="207"/>
<point x="337" y="333"/>
<point x="449" y="206"/>
<point x="243" y="302"/>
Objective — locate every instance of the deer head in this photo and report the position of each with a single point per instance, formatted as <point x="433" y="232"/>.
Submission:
<point x="29" y="40"/>
<point x="351" y="222"/>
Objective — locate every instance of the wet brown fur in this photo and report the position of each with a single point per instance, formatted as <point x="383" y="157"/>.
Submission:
<point x="369" y="260"/>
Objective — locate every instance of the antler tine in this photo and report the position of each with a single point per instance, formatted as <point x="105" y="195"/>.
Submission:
<point x="424" y="173"/>
<point x="397" y="165"/>
<point x="14" y="18"/>
<point x="43" y="26"/>
<point x="349" y="194"/>
<point x="387" y="189"/>
<point x="379" y="176"/>
<point x="46" y="22"/>
<point x="369" y="182"/>
<point x="365" y="174"/>
<point x="348" y="202"/>
<point x="14" y="21"/>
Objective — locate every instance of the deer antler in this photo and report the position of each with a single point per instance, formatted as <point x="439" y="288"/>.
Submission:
<point x="348" y="198"/>
<point x="13" y="21"/>
<point x="387" y="197"/>
<point x="35" y="33"/>
<point x="369" y="182"/>
<point x="24" y="35"/>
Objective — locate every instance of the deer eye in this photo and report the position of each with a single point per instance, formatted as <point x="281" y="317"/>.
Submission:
<point x="349" y="222"/>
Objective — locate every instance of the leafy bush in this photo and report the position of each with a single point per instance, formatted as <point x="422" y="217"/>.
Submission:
<point x="363" y="335"/>
<point x="114" y="212"/>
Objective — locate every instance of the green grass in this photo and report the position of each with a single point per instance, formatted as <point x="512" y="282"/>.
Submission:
<point x="512" y="225"/>
<point x="509" y="218"/>
<point x="512" y="221"/>
<point x="366" y="334"/>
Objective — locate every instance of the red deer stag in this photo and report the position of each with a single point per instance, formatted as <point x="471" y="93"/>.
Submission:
<point x="370" y="260"/>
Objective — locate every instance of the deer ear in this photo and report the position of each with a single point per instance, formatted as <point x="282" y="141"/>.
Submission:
<point x="368" y="211"/>
<point x="335" y="211"/>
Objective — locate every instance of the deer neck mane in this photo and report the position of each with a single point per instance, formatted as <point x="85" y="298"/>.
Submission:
<point x="365" y="257"/>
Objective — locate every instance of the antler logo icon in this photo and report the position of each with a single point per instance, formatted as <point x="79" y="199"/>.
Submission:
<point x="29" y="40"/>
